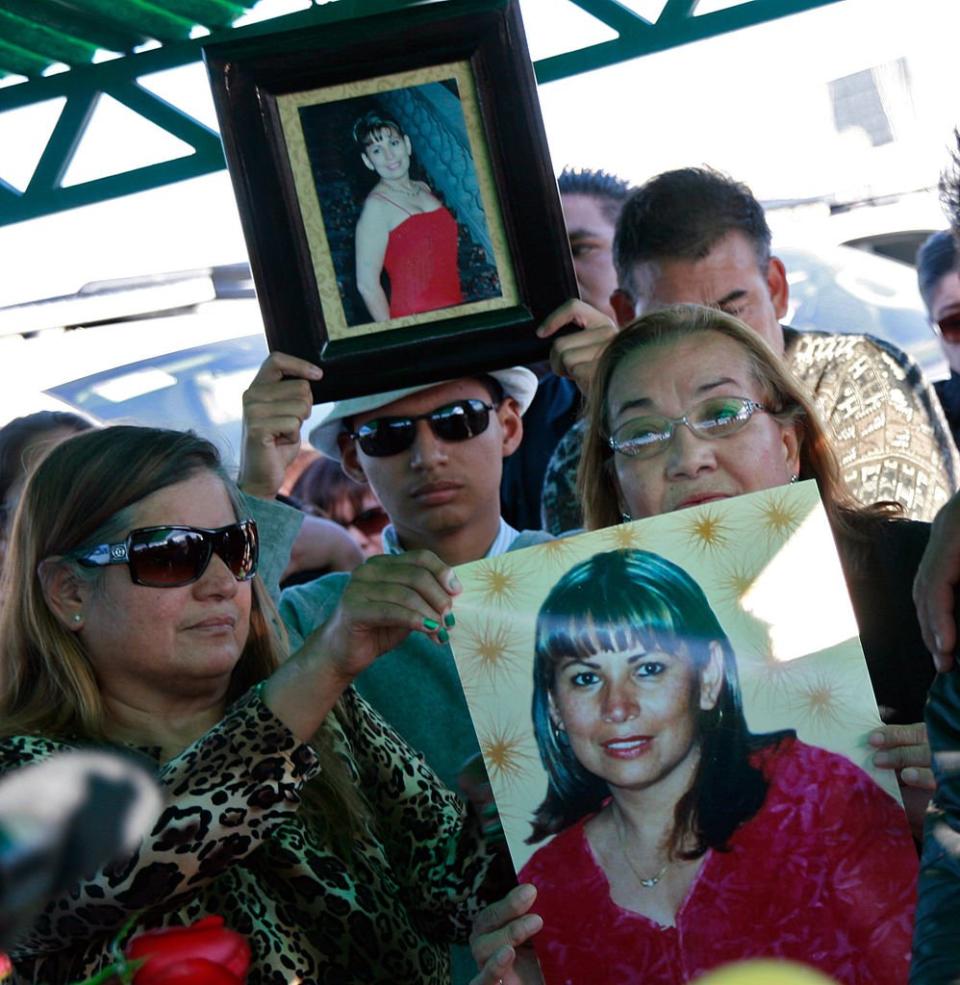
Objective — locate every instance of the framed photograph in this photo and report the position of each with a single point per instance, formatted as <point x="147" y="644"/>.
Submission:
<point x="396" y="192"/>
<point x="674" y="716"/>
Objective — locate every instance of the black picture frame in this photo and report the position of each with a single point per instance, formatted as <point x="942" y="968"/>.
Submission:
<point x="474" y="49"/>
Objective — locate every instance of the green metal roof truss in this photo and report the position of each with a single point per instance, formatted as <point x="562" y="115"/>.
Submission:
<point x="38" y="34"/>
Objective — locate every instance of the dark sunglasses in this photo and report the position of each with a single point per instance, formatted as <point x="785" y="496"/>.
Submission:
<point x="168" y="557"/>
<point x="949" y="328"/>
<point x="369" y="522"/>
<point x="453" y="422"/>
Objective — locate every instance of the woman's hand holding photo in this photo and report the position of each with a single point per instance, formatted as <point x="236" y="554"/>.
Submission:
<point x="500" y="940"/>
<point x="387" y="598"/>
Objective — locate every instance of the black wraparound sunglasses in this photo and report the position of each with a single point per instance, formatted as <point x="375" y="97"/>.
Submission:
<point x="171" y="556"/>
<point x="458" y="421"/>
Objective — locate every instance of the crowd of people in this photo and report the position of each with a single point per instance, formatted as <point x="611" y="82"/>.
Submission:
<point x="283" y="664"/>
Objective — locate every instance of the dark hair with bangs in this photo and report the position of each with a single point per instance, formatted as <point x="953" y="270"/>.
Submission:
<point x="623" y="599"/>
<point x="371" y="126"/>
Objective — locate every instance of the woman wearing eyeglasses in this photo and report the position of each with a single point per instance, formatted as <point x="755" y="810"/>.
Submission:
<point x="689" y="406"/>
<point x="293" y="810"/>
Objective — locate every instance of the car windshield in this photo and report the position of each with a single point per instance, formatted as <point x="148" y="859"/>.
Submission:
<point x="199" y="388"/>
<point x="842" y="290"/>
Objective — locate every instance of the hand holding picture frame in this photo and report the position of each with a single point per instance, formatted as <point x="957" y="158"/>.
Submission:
<point x="396" y="192"/>
<point x="674" y="715"/>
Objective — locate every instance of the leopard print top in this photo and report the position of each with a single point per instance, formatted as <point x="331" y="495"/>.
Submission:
<point x="232" y="841"/>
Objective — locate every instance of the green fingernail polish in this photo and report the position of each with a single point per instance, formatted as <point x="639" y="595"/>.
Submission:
<point x="450" y="619"/>
<point x="431" y="624"/>
<point x="443" y="636"/>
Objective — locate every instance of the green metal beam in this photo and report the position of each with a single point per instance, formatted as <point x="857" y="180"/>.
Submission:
<point x="172" y="21"/>
<point x="67" y="19"/>
<point x="677" y="25"/>
<point x="44" y="41"/>
<point x="62" y="144"/>
<point x="166" y="116"/>
<point x="18" y="208"/>
<point x="15" y="60"/>
<point x="147" y="18"/>
<point x="210" y="13"/>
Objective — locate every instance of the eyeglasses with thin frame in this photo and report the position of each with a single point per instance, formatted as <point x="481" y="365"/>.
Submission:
<point x="458" y="421"/>
<point x="715" y="417"/>
<point x="949" y="328"/>
<point x="172" y="556"/>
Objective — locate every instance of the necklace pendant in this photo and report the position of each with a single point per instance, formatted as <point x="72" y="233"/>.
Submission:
<point x="651" y="882"/>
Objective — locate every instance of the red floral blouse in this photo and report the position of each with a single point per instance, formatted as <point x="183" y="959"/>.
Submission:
<point x="825" y="873"/>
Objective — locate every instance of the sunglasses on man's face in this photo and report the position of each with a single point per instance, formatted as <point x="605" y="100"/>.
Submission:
<point x="458" y="421"/>
<point x="949" y="328"/>
<point x="168" y="557"/>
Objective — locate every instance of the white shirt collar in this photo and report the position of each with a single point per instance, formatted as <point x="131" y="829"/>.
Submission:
<point x="506" y="535"/>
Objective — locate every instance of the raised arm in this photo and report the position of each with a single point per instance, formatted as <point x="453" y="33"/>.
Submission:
<point x="275" y="405"/>
<point x="372" y="235"/>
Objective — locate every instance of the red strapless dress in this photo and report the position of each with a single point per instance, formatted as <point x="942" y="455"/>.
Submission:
<point x="421" y="262"/>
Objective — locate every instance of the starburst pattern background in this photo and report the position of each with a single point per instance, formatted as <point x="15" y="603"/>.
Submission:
<point x="767" y="563"/>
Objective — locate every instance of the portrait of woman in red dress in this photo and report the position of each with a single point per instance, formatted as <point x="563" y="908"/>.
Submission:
<point x="403" y="229"/>
<point x="404" y="216"/>
<point x="681" y="840"/>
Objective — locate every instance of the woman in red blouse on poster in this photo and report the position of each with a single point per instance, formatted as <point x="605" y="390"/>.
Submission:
<point x="683" y="841"/>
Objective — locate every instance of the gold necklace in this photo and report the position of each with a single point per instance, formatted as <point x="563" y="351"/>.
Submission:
<point x="410" y="194"/>
<point x="647" y="882"/>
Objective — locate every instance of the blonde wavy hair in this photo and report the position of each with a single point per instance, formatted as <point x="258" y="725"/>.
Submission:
<point x="84" y="493"/>
<point x="596" y="478"/>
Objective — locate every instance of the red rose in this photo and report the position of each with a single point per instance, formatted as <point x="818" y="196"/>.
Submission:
<point x="205" y="953"/>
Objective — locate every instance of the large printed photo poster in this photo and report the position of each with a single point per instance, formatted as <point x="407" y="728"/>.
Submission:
<point x="695" y="676"/>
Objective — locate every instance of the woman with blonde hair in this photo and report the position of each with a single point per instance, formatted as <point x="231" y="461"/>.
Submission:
<point x="602" y="499"/>
<point x="137" y="620"/>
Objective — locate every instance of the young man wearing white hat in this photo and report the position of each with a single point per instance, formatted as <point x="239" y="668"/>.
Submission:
<point x="433" y="454"/>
